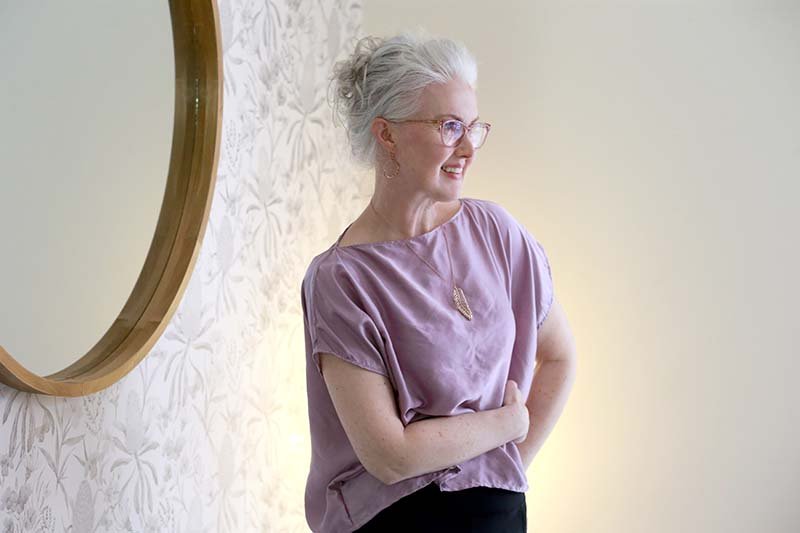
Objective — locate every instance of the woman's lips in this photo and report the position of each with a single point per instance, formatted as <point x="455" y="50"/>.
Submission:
<point x="453" y="175"/>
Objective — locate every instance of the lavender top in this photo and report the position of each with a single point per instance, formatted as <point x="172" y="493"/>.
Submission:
<point x="377" y="306"/>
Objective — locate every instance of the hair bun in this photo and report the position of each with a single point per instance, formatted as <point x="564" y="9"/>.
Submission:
<point x="349" y="75"/>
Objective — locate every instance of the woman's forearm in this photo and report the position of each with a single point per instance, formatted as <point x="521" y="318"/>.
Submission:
<point x="550" y="389"/>
<point x="436" y="443"/>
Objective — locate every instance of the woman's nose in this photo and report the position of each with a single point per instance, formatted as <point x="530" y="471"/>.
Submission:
<point x="465" y="146"/>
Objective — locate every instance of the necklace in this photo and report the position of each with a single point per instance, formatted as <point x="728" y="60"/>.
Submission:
<point x="459" y="299"/>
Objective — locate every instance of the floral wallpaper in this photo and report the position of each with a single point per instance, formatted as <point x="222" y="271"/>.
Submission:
<point x="210" y="431"/>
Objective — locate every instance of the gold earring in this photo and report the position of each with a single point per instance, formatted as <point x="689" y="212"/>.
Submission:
<point x="387" y="176"/>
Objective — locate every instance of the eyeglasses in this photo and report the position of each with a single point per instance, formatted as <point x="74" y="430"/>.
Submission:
<point x="453" y="130"/>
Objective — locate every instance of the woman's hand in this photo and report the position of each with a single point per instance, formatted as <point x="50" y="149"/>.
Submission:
<point x="515" y="404"/>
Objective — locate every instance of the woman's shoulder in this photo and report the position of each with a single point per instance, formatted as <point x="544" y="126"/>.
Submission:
<point x="485" y="204"/>
<point x="498" y="221"/>
<point x="326" y="265"/>
<point x="493" y="212"/>
<point x="324" y="269"/>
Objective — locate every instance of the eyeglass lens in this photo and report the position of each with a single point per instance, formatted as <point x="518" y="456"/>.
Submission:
<point x="453" y="130"/>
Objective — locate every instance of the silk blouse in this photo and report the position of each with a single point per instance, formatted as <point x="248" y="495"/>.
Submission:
<point x="379" y="307"/>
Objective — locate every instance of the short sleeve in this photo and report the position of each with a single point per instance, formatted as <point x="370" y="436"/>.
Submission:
<point x="538" y="272"/>
<point x="531" y="278"/>
<point x="338" y="323"/>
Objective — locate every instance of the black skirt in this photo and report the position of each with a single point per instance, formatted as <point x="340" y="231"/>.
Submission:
<point x="473" y="510"/>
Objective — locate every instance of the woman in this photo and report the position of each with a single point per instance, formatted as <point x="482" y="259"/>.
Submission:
<point x="424" y="315"/>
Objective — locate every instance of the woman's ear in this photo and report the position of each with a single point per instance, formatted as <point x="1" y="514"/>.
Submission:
<point x="382" y="130"/>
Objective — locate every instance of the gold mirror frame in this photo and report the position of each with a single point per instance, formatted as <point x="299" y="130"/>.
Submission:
<point x="181" y="222"/>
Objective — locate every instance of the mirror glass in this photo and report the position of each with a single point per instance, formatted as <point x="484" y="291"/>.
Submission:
<point x="87" y="103"/>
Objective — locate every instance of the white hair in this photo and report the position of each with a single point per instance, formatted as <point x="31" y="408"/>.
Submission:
<point x="385" y="77"/>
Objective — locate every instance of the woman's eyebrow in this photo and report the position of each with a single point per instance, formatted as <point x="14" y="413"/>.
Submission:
<point x="459" y="118"/>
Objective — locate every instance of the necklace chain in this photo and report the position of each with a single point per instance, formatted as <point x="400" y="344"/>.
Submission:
<point x="458" y="294"/>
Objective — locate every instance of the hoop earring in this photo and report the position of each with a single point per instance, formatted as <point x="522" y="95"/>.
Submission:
<point x="387" y="176"/>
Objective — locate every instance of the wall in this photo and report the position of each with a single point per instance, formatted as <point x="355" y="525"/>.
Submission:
<point x="653" y="148"/>
<point x="210" y="432"/>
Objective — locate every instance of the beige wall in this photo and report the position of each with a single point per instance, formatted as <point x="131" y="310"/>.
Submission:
<point x="654" y="149"/>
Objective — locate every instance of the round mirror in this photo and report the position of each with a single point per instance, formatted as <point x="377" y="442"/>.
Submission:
<point x="109" y="136"/>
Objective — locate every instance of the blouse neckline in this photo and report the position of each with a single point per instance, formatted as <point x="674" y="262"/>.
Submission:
<point x="395" y="242"/>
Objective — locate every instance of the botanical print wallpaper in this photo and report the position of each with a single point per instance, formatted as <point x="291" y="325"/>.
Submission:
<point x="210" y="431"/>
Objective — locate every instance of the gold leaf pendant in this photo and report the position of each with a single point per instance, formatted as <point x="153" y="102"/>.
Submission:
<point x="461" y="302"/>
